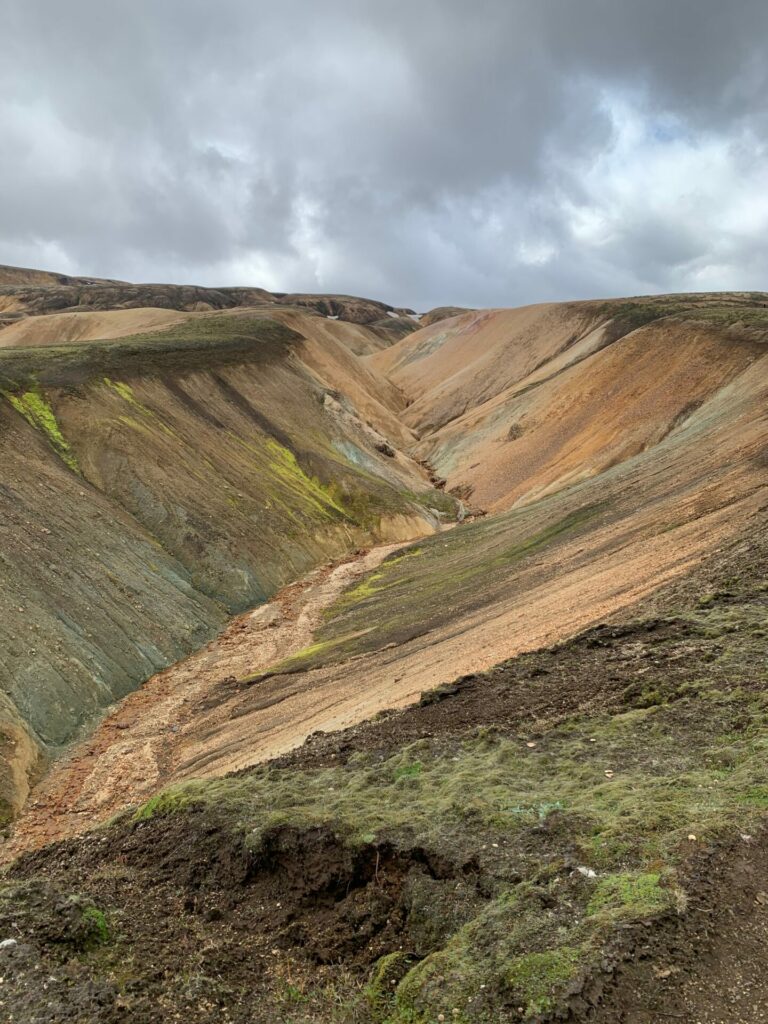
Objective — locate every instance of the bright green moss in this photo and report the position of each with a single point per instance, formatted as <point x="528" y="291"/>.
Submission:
<point x="630" y="895"/>
<point x="286" y="468"/>
<point x="536" y="978"/>
<point x="380" y="990"/>
<point x="37" y="411"/>
<point x="97" y="924"/>
<point x="124" y="390"/>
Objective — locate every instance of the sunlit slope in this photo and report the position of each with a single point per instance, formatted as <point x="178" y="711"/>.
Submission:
<point x="459" y="363"/>
<point x="686" y="473"/>
<point x="67" y="328"/>
<point x="513" y="404"/>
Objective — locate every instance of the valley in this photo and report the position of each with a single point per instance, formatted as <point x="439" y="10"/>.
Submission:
<point x="418" y="662"/>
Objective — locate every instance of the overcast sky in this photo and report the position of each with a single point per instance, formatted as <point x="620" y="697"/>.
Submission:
<point x="426" y="152"/>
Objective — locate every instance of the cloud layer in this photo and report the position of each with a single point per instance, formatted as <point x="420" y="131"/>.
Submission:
<point x="432" y="152"/>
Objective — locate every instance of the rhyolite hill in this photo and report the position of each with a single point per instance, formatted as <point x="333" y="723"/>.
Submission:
<point x="497" y="850"/>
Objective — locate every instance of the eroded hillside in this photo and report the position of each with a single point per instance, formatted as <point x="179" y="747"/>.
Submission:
<point x="161" y="472"/>
<point x="584" y="767"/>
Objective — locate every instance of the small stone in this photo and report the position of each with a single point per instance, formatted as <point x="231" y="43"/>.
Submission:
<point x="691" y="838"/>
<point x="587" y="872"/>
<point x="8" y="944"/>
<point x="664" y="972"/>
<point x="530" y="744"/>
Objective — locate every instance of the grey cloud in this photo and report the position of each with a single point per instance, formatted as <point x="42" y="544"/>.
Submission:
<point x="426" y="153"/>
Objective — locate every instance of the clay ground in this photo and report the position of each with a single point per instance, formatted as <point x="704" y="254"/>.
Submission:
<point x="621" y="451"/>
<point x="481" y="593"/>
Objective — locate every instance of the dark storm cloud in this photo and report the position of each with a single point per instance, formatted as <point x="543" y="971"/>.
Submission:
<point x="427" y="152"/>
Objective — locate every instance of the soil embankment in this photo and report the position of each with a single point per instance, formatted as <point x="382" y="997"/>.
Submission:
<point x="640" y="454"/>
<point x="564" y="835"/>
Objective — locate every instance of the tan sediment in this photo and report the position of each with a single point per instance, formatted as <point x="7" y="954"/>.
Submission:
<point x="70" y="328"/>
<point x="674" y="437"/>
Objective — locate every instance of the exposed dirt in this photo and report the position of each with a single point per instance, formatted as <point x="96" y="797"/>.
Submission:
<point x="155" y="484"/>
<point x="553" y="593"/>
<point x="140" y="745"/>
<point x="707" y="967"/>
<point x="203" y="927"/>
<point x="33" y="293"/>
<point x="515" y="404"/>
<point x="561" y="411"/>
<point x="67" y="328"/>
<point x="217" y="925"/>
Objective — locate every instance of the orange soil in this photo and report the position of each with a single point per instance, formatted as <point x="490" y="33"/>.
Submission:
<point x="134" y="751"/>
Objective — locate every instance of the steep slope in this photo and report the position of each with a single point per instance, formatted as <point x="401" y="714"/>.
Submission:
<point x="495" y="853"/>
<point x="67" y="328"/>
<point x="26" y="293"/>
<point x="22" y="277"/>
<point x="512" y="404"/>
<point x="577" y="835"/>
<point x="154" y="483"/>
<point x="458" y="363"/>
<point x="657" y="493"/>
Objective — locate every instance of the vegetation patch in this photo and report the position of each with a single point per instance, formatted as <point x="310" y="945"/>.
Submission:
<point x="409" y="594"/>
<point x="537" y="978"/>
<point x="748" y="310"/>
<point x="198" y="343"/>
<point x="630" y="895"/>
<point x="562" y="838"/>
<point x="38" y="412"/>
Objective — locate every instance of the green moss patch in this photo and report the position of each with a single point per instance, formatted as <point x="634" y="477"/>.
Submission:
<point x="536" y="979"/>
<point x="580" y="833"/>
<point x="472" y="859"/>
<point x="36" y="409"/>
<point x="630" y="895"/>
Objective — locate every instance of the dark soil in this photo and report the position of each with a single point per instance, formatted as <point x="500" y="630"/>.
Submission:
<point x="201" y="928"/>
<point x="705" y="967"/>
<point x="205" y="923"/>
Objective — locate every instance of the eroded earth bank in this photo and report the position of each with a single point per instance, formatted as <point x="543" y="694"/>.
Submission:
<point x="536" y="536"/>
